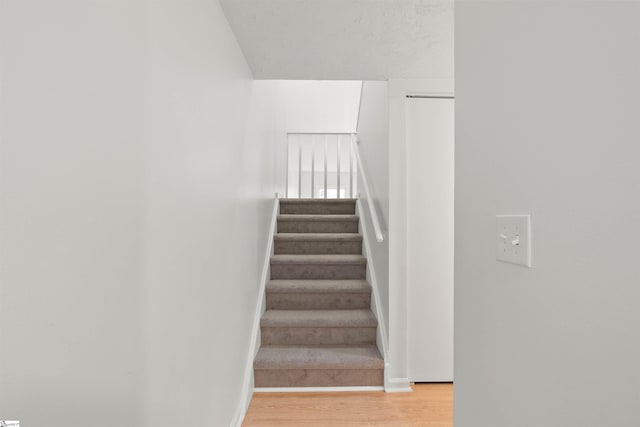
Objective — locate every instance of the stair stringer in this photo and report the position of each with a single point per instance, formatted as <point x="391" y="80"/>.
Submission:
<point x="246" y="393"/>
<point x="382" y="341"/>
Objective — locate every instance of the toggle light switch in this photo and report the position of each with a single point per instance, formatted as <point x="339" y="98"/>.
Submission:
<point x="514" y="239"/>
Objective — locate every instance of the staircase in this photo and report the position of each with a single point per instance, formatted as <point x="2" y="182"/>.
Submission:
<point x="318" y="329"/>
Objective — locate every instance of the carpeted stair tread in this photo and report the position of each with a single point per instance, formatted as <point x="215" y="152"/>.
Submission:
<point x="318" y="218"/>
<point x="302" y="201"/>
<point x="317" y="243"/>
<point x="310" y="223"/>
<point x="320" y="266"/>
<point x="318" y="206"/>
<point x="318" y="259"/>
<point x="318" y="294"/>
<point x="361" y="318"/>
<point x="318" y="286"/>
<point x="314" y="237"/>
<point x="318" y="357"/>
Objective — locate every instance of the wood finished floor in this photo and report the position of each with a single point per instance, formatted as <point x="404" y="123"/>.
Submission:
<point x="430" y="405"/>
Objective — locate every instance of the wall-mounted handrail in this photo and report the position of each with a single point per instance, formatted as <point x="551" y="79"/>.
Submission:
<point x="365" y="185"/>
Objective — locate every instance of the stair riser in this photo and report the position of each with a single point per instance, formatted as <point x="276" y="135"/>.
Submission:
<point x="317" y="336"/>
<point x="318" y="377"/>
<point x="317" y="208"/>
<point x="317" y="247"/>
<point x="320" y="301"/>
<point x="318" y="271"/>
<point x="317" y="227"/>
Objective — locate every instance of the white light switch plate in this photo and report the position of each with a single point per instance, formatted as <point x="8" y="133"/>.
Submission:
<point x="513" y="236"/>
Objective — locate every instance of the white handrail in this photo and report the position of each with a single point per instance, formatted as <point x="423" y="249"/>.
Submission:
<point x="365" y="185"/>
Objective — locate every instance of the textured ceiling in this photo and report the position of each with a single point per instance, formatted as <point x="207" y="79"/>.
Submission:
<point x="344" y="39"/>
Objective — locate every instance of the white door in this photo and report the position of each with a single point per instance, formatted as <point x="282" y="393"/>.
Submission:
<point x="430" y="190"/>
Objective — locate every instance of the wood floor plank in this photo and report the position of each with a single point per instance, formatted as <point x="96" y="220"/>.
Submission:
<point x="430" y="405"/>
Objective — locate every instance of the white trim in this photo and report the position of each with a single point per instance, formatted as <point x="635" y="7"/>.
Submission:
<point x="398" y="91"/>
<point x="254" y="343"/>
<point x="315" y="389"/>
<point x="381" y="338"/>
<point x="398" y="385"/>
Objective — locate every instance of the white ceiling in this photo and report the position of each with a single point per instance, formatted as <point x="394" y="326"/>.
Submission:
<point x="344" y="39"/>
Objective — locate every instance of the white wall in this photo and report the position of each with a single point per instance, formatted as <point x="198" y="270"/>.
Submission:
<point x="321" y="106"/>
<point x="136" y="183"/>
<point x="373" y="134"/>
<point x="546" y="123"/>
<point x="71" y="212"/>
<point x="210" y="186"/>
<point x="430" y="184"/>
<point x="310" y="106"/>
<point x="398" y="90"/>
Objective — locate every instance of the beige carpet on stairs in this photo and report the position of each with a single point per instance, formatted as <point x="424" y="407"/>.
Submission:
<point x="318" y="329"/>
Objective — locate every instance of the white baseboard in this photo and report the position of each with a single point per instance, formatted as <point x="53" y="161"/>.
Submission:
<point x="314" y="389"/>
<point x="381" y="336"/>
<point x="398" y="385"/>
<point x="254" y="344"/>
